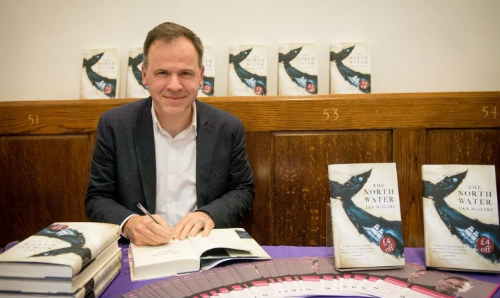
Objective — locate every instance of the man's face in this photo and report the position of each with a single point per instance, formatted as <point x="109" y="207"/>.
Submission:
<point x="173" y="76"/>
<point x="453" y="286"/>
<point x="315" y="266"/>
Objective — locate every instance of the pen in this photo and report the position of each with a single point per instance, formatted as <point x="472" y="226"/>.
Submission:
<point x="146" y="212"/>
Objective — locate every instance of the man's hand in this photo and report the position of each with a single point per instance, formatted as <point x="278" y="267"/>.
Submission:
<point x="192" y="224"/>
<point x="142" y="230"/>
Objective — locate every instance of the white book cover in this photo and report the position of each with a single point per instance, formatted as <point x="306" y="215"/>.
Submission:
<point x="247" y="75"/>
<point x="350" y="68"/>
<point x="60" y="250"/>
<point x="461" y="226"/>
<point x="366" y="216"/>
<point x="297" y="69"/>
<point x="135" y="88"/>
<point x="87" y="279"/>
<point x="207" y="88"/>
<point x="100" y="74"/>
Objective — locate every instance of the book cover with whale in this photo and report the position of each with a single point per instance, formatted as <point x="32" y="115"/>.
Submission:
<point x="135" y="87"/>
<point x="207" y="88"/>
<point x="350" y="68"/>
<point x="297" y="69"/>
<point x="460" y="208"/>
<point x="366" y="216"/>
<point x="100" y="74"/>
<point x="247" y="70"/>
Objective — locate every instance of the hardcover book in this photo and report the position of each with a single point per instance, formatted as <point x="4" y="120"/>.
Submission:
<point x="193" y="254"/>
<point x="350" y="68"/>
<point x="297" y="69"/>
<point x="207" y="88"/>
<point x="61" y="250"/>
<point x="366" y="216"/>
<point x="247" y="70"/>
<point x="100" y="74"/>
<point x="135" y="88"/>
<point x="92" y="275"/>
<point x="460" y="206"/>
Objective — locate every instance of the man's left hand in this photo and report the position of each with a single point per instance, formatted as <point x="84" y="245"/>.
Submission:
<point x="192" y="224"/>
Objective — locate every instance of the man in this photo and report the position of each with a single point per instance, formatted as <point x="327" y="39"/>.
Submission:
<point x="182" y="159"/>
<point x="453" y="286"/>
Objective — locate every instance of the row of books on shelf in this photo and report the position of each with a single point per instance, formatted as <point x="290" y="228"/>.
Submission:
<point x="65" y="259"/>
<point x="314" y="276"/>
<point x="460" y="215"/>
<point x="350" y="71"/>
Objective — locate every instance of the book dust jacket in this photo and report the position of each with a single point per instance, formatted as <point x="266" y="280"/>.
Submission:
<point x="247" y="70"/>
<point x="297" y="69"/>
<point x="350" y="68"/>
<point x="100" y="73"/>
<point x="135" y="88"/>
<point x="460" y="207"/>
<point x="207" y="88"/>
<point x="366" y="216"/>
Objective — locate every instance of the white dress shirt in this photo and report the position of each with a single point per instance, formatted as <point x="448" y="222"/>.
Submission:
<point x="175" y="171"/>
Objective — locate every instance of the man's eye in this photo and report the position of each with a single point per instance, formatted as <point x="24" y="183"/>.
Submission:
<point x="186" y="74"/>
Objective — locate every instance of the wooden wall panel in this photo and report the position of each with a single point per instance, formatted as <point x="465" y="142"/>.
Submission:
<point x="409" y="155"/>
<point x="43" y="180"/>
<point x="301" y="189"/>
<point x="465" y="146"/>
<point x="46" y="146"/>
<point x="261" y="222"/>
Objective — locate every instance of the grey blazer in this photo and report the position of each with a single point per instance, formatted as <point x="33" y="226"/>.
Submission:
<point x="123" y="168"/>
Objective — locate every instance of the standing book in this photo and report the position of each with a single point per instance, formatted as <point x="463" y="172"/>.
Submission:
<point x="350" y="68"/>
<point x="61" y="250"/>
<point x="460" y="207"/>
<point x="135" y="87"/>
<point x="247" y="70"/>
<point x="297" y="69"/>
<point x="207" y="88"/>
<point x="366" y="216"/>
<point x="100" y="74"/>
<point x="193" y="254"/>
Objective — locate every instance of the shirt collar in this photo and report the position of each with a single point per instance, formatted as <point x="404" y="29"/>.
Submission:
<point x="157" y="125"/>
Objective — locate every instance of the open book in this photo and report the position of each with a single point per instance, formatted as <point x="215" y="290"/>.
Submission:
<point x="193" y="254"/>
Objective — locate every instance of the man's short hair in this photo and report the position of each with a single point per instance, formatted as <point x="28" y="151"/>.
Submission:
<point x="170" y="32"/>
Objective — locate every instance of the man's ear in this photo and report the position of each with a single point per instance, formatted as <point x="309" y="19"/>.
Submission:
<point x="144" y="80"/>
<point x="202" y="71"/>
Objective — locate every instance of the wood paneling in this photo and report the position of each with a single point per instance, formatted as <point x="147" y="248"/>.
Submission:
<point x="46" y="146"/>
<point x="301" y="187"/>
<point x="43" y="179"/>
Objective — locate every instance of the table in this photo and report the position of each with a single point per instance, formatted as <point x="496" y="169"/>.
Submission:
<point x="122" y="284"/>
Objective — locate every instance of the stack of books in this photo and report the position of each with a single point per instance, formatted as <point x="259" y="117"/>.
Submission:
<point x="65" y="259"/>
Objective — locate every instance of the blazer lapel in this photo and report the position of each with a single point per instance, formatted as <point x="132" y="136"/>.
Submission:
<point x="145" y="148"/>
<point x="204" y="151"/>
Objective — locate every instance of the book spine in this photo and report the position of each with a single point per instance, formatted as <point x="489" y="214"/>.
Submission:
<point x="102" y="275"/>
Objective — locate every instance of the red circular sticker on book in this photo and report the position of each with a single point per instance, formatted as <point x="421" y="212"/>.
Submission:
<point x="387" y="244"/>
<point x="58" y="227"/>
<point x="484" y="245"/>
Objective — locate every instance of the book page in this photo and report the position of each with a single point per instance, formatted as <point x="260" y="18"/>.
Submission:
<point x="175" y="257"/>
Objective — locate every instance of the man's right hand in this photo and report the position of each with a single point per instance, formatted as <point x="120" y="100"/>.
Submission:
<point x="142" y="230"/>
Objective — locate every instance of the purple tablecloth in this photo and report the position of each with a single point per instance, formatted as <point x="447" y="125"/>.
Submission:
<point x="122" y="284"/>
